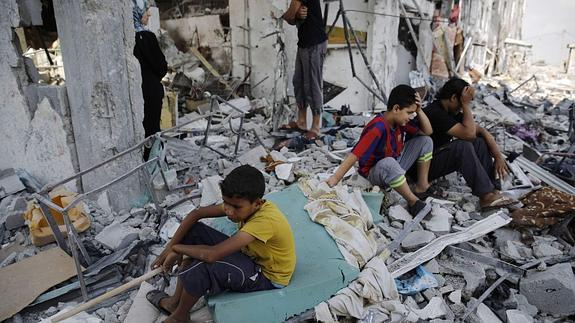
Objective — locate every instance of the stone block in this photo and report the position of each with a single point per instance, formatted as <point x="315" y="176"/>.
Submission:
<point x="516" y="316"/>
<point x="417" y="239"/>
<point x="142" y="311"/>
<point x="398" y="213"/>
<point x="551" y="291"/>
<point x="440" y="221"/>
<point x="253" y="156"/>
<point x="544" y="250"/>
<point x="116" y="234"/>
<point x="485" y="315"/>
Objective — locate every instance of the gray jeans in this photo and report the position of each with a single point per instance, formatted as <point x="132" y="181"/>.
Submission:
<point x="391" y="172"/>
<point x="308" y="77"/>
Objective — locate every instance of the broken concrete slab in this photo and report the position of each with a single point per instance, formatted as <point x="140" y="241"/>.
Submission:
<point x="116" y="234"/>
<point x="253" y="157"/>
<point x="417" y="239"/>
<point x="485" y="315"/>
<point x="211" y="193"/>
<point x="516" y="316"/>
<point x="478" y="229"/>
<point x="284" y="171"/>
<point x="435" y="309"/>
<point x="455" y="296"/>
<point x="551" y="291"/>
<point x="473" y="273"/>
<point x="398" y="213"/>
<point x="142" y="310"/>
<point x="440" y="221"/>
<point x="541" y="250"/>
<point x="520" y="302"/>
<point x="10" y="182"/>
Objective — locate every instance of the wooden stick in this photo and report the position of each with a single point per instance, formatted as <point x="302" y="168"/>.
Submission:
<point x="107" y="295"/>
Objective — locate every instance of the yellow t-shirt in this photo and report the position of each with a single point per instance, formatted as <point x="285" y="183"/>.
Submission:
<point x="274" y="247"/>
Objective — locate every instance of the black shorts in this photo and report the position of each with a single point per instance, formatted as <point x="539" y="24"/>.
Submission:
<point x="236" y="272"/>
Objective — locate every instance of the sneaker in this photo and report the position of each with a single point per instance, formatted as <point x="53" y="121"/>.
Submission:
<point x="416" y="208"/>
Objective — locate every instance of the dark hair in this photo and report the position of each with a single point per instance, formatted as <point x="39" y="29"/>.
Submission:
<point x="402" y="95"/>
<point x="244" y="182"/>
<point x="454" y="86"/>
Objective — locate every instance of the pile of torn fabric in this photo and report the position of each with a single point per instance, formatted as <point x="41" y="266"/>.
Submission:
<point x="543" y="207"/>
<point x="374" y="295"/>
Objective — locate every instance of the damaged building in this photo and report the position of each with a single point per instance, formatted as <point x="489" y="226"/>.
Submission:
<point x="83" y="215"/>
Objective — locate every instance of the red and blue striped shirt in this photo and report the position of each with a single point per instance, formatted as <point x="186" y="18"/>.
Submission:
<point x="378" y="140"/>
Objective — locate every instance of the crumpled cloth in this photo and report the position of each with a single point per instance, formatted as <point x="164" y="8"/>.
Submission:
<point x="347" y="219"/>
<point x="544" y="207"/>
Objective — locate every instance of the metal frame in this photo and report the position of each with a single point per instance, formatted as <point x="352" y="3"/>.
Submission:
<point x="74" y="246"/>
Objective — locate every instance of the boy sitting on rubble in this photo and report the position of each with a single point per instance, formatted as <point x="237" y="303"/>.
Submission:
<point x="389" y="145"/>
<point x="260" y="256"/>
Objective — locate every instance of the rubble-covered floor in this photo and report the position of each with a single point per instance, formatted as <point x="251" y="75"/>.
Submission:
<point x="537" y="261"/>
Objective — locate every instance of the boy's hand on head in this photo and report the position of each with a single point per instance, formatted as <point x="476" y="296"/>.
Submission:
<point x="467" y="95"/>
<point x="417" y="102"/>
<point x="302" y="12"/>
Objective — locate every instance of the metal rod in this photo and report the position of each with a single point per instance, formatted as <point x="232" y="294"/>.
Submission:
<point x="72" y="244"/>
<point x="80" y="197"/>
<point x="413" y="35"/>
<point x="523" y="83"/>
<point x="239" y="136"/>
<point x="345" y="33"/>
<point x="60" y="240"/>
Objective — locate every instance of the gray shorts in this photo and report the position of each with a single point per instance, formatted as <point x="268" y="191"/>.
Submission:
<point x="389" y="172"/>
<point x="308" y="77"/>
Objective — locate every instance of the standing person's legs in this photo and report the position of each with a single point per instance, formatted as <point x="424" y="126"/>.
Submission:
<point x="314" y="92"/>
<point x="418" y="149"/>
<point x="153" y="97"/>
<point x="299" y="87"/>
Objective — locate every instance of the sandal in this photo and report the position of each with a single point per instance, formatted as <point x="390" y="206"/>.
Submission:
<point x="433" y="191"/>
<point x="155" y="297"/>
<point x="292" y="126"/>
<point x="310" y="135"/>
<point x="499" y="203"/>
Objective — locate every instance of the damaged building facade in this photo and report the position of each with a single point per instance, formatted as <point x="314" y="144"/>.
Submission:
<point x="72" y="175"/>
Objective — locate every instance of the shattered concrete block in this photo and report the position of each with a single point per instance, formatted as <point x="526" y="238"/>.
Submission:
<point x="10" y="182"/>
<point x="417" y="239"/>
<point x="211" y="193"/>
<point x="278" y="156"/>
<point x="435" y="309"/>
<point x="520" y="302"/>
<point x="455" y="296"/>
<point x="440" y="221"/>
<point x="485" y="315"/>
<point x="253" y="157"/>
<point x="339" y="145"/>
<point x="516" y="316"/>
<point x="543" y="250"/>
<point x="462" y="216"/>
<point x="142" y="310"/>
<point x="398" y="213"/>
<point x="551" y="291"/>
<point x="169" y="229"/>
<point x="284" y="171"/>
<point x="432" y="266"/>
<point x="115" y="234"/>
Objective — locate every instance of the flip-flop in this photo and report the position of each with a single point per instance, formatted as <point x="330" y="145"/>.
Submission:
<point x="154" y="297"/>
<point x="499" y="203"/>
<point x="292" y="126"/>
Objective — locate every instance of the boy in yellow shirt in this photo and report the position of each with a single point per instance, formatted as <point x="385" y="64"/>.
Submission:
<point x="260" y="256"/>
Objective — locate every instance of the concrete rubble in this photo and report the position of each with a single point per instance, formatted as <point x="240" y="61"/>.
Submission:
<point x="529" y="113"/>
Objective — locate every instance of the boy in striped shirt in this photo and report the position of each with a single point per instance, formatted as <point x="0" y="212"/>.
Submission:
<point x="390" y="144"/>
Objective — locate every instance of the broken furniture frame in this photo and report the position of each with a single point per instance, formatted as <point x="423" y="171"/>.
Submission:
<point x="74" y="242"/>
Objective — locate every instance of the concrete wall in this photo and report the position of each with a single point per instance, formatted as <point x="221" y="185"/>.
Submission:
<point x="34" y="127"/>
<point x="104" y="89"/>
